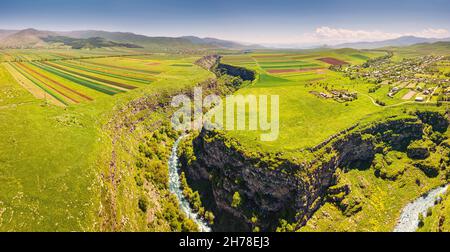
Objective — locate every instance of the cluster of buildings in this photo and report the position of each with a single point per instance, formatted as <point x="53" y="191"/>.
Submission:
<point x="338" y="95"/>
<point x="417" y="69"/>
<point x="420" y="74"/>
<point x="411" y="70"/>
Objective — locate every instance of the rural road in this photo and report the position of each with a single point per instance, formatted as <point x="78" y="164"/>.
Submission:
<point x="378" y="105"/>
<point x="431" y="95"/>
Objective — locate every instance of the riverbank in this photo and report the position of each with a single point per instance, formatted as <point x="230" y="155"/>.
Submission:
<point x="175" y="188"/>
<point x="409" y="220"/>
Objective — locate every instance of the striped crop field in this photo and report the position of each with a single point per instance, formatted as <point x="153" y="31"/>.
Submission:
<point x="65" y="78"/>
<point x="120" y="64"/>
<point x="109" y="71"/>
<point x="299" y="64"/>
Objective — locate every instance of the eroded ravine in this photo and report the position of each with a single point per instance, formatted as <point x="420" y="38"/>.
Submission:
<point x="285" y="191"/>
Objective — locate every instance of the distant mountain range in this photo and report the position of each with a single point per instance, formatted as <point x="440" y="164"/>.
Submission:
<point x="80" y="43"/>
<point x="5" y="33"/>
<point x="220" y="43"/>
<point x="398" y="42"/>
<point x="24" y="39"/>
<point x="32" y="38"/>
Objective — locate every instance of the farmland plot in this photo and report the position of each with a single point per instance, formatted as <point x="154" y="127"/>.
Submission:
<point x="65" y="78"/>
<point x="49" y="154"/>
<point x="38" y="90"/>
<point x="307" y="119"/>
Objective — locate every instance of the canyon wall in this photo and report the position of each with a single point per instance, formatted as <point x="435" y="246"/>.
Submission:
<point x="289" y="190"/>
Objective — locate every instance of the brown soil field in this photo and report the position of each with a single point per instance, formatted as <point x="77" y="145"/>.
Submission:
<point x="333" y="61"/>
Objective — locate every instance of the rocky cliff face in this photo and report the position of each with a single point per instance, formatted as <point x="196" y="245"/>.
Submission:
<point x="245" y="74"/>
<point x="290" y="191"/>
<point x="212" y="63"/>
<point x="208" y="62"/>
<point x="220" y="171"/>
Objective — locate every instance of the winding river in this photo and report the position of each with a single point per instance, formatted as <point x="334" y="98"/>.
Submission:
<point x="409" y="220"/>
<point x="175" y="188"/>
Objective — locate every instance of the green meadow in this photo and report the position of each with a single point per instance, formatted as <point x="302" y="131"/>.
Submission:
<point x="306" y="119"/>
<point x="49" y="153"/>
<point x="55" y="103"/>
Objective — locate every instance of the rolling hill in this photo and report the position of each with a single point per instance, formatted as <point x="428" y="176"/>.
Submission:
<point x="441" y="48"/>
<point x="94" y="42"/>
<point x="28" y="38"/>
<point x="220" y="43"/>
<point x="402" y="41"/>
<point x="127" y="37"/>
<point x="32" y="38"/>
<point x="191" y="42"/>
<point x="5" y="33"/>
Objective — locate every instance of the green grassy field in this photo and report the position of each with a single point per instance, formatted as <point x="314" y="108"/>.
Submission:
<point x="54" y="149"/>
<point x="51" y="146"/>
<point x="305" y="119"/>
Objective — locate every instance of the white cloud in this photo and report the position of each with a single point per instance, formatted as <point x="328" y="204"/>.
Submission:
<point x="433" y="33"/>
<point x="325" y="32"/>
<point x="331" y="35"/>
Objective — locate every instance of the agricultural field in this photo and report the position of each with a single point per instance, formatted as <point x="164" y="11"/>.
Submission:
<point x="224" y="116"/>
<point x="55" y="54"/>
<point x="291" y="63"/>
<point x="310" y="112"/>
<point x="52" y="113"/>
<point x="51" y="153"/>
<point x="295" y="77"/>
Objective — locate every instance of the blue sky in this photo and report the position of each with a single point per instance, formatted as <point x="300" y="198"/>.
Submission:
<point x="263" y="21"/>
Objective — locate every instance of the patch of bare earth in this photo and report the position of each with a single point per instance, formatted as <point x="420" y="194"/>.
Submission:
<point x="333" y="61"/>
<point x="409" y="95"/>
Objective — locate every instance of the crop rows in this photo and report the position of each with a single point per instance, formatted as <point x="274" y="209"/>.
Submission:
<point x="71" y="82"/>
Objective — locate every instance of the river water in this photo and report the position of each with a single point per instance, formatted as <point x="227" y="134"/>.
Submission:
<point x="175" y="188"/>
<point x="409" y="220"/>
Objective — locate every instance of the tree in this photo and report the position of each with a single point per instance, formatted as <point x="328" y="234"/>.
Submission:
<point x="236" y="200"/>
<point x="189" y="225"/>
<point x="209" y="216"/>
<point x="421" y="220"/>
<point x="142" y="203"/>
<point x="285" y="226"/>
<point x="429" y="212"/>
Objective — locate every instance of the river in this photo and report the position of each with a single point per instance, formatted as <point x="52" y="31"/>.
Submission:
<point x="409" y="219"/>
<point x="408" y="222"/>
<point x="175" y="188"/>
